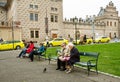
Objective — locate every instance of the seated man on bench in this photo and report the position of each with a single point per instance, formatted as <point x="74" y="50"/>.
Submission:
<point x="28" y="49"/>
<point x="39" y="51"/>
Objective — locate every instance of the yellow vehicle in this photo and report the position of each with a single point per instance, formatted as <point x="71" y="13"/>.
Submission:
<point x="89" y="41"/>
<point x="74" y="41"/>
<point x="103" y="39"/>
<point x="8" y="45"/>
<point x="56" y="42"/>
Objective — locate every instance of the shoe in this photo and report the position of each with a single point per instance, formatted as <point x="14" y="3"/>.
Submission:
<point x="57" y="68"/>
<point x="69" y="71"/>
<point x="17" y="57"/>
<point x="66" y="70"/>
<point x="63" y="69"/>
<point x="30" y="61"/>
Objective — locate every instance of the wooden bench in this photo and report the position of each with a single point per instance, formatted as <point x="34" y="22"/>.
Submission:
<point x="90" y="60"/>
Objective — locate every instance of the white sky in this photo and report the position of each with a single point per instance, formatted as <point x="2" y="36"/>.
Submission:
<point x="81" y="8"/>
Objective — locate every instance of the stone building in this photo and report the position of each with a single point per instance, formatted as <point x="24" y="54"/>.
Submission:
<point x="106" y="23"/>
<point x="37" y="19"/>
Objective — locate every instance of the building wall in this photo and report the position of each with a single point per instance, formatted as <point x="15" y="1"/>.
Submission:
<point x="44" y="8"/>
<point x="2" y="16"/>
<point x="8" y="16"/>
<point x="83" y="29"/>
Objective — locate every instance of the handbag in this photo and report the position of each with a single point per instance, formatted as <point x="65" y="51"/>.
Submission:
<point x="66" y="58"/>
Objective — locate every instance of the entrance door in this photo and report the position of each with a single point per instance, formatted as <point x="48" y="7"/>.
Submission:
<point x="54" y="35"/>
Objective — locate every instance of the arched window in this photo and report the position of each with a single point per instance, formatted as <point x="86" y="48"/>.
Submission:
<point x="107" y="23"/>
<point x="115" y="24"/>
<point x="110" y="23"/>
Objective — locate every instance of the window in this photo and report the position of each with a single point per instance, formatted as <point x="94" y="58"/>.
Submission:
<point x="32" y="34"/>
<point x="36" y="17"/>
<point x="36" y="34"/>
<point x="115" y="24"/>
<point x="56" y="9"/>
<point x="52" y="9"/>
<point x="33" y="17"/>
<point x="31" y="6"/>
<point x="52" y="18"/>
<point x="56" y="18"/>
<point x="36" y="6"/>
<point x="110" y="23"/>
<point x="107" y="23"/>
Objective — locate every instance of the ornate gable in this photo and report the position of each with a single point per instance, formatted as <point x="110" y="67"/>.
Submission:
<point x="110" y="10"/>
<point x="101" y="12"/>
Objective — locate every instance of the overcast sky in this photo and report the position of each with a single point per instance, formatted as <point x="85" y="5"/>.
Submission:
<point x="81" y="8"/>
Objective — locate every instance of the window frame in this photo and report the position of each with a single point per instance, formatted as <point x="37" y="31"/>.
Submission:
<point x="34" y="16"/>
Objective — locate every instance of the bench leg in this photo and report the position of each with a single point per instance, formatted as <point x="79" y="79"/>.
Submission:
<point x="49" y="60"/>
<point x="96" y="70"/>
<point x="88" y="67"/>
<point x="39" y="57"/>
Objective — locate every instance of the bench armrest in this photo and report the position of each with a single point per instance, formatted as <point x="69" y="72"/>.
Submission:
<point x="89" y="62"/>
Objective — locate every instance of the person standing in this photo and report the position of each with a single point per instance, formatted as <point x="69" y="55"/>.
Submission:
<point x="47" y="41"/>
<point x="84" y="39"/>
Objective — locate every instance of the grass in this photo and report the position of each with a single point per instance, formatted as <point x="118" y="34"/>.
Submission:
<point x="109" y="58"/>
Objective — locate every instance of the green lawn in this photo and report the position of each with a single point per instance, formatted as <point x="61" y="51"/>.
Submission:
<point x="109" y="58"/>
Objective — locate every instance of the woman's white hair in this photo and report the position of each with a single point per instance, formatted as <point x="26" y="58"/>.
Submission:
<point x="70" y="44"/>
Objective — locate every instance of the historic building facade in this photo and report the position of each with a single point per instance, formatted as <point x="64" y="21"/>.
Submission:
<point x="106" y="23"/>
<point x="37" y="19"/>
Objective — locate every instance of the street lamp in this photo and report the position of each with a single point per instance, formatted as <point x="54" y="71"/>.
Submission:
<point x="93" y="27"/>
<point x="12" y="25"/>
<point x="46" y="23"/>
<point x="75" y="20"/>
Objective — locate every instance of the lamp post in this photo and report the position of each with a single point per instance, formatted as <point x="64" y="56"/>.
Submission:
<point x="46" y="23"/>
<point x="13" y="33"/>
<point x="75" y="20"/>
<point x="93" y="27"/>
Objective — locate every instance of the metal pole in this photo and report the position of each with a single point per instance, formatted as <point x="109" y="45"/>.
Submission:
<point x="13" y="34"/>
<point x="76" y="32"/>
<point x="93" y="28"/>
<point x="46" y="23"/>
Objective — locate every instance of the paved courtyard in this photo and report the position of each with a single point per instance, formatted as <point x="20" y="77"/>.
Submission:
<point x="14" y="69"/>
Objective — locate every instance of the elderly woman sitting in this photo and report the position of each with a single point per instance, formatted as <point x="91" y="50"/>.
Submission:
<point x="63" y="56"/>
<point x="74" y="57"/>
